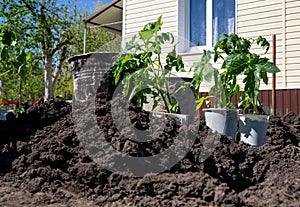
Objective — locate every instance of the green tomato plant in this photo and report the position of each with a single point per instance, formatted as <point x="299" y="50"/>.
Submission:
<point x="203" y="70"/>
<point x="238" y="60"/>
<point x="144" y="69"/>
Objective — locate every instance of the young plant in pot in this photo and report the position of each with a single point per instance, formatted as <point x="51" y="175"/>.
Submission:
<point x="222" y="117"/>
<point x="240" y="61"/>
<point x="145" y="70"/>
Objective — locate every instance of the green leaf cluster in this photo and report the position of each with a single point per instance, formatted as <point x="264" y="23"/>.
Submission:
<point x="144" y="71"/>
<point x="203" y="70"/>
<point x="46" y="29"/>
<point x="15" y="71"/>
<point x="238" y="60"/>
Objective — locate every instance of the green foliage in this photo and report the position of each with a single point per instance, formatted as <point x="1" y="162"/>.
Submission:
<point x="97" y="40"/>
<point x="203" y="70"/>
<point x="39" y="23"/>
<point x="13" y="57"/>
<point x="239" y="60"/>
<point x="46" y="29"/>
<point x="32" y="86"/>
<point x="140" y="67"/>
<point x="64" y="86"/>
<point x="19" y="80"/>
<point x="51" y="31"/>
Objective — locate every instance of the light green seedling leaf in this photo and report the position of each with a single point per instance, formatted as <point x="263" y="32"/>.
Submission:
<point x="147" y="35"/>
<point x="201" y="100"/>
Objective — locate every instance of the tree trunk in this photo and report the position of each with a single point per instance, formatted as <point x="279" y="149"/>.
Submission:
<point x="58" y="69"/>
<point x="49" y="89"/>
<point x="19" y="105"/>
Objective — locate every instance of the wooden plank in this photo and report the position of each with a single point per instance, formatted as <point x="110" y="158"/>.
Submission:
<point x="290" y="1"/>
<point x="241" y="2"/>
<point x="298" y="101"/>
<point x="152" y="12"/>
<point x="293" y="4"/>
<point x="247" y="16"/>
<point x="294" y="100"/>
<point x="262" y="21"/>
<point x="264" y="98"/>
<point x="287" y="101"/>
<point x="294" y="72"/>
<point x="294" y="54"/>
<point x="292" y="60"/>
<point x="146" y="3"/>
<point x="260" y="5"/>
<point x="292" y="48"/>
<point x="293" y="85"/>
<point x="292" y="35"/>
<point x="292" y="29"/>
<point x="258" y="29"/>
<point x="140" y="12"/>
<point x="279" y="95"/>
<point x="294" y="16"/>
<point x="293" y="11"/>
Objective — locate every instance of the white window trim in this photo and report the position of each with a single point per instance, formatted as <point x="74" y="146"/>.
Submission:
<point x="185" y="13"/>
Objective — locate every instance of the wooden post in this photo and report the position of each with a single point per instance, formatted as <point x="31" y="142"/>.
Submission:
<point x="84" y="38"/>
<point x="274" y="76"/>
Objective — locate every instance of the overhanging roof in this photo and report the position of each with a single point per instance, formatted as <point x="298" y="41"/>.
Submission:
<point x="108" y="17"/>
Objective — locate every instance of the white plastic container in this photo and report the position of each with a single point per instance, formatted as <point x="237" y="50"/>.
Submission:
<point x="253" y="129"/>
<point x="223" y="121"/>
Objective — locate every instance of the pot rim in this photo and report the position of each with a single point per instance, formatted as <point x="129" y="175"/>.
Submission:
<point x="220" y="109"/>
<point x="254" y="116"/>
<point x="166" y="113"/>
<point x="87" y="55"/>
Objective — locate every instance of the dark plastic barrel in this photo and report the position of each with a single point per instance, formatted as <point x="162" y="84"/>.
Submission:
<point x="91" y="74"/>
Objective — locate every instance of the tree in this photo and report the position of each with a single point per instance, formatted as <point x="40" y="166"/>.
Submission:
<point x="46" y="29"/>
<point x="53" y="31"/>
<point x="14" y="65"/>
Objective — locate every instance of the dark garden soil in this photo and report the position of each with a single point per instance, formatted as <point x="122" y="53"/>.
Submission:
<point x="43" y="163"/>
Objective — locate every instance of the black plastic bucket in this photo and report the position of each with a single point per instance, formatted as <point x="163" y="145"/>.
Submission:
<point x="92" y="74"/>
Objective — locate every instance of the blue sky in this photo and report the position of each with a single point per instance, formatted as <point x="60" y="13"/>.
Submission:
<point x="89" y="5"/>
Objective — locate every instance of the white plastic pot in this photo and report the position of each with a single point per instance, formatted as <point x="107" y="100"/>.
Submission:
<point x="223" y="121"/>
<point x="180" y="118"/>
<point x="253" y="129"/>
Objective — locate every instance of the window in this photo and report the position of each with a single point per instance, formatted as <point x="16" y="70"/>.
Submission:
<point x="205" y="20"/>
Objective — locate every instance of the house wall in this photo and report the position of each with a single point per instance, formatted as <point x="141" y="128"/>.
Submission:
<point x="292" y="43"/>
<point x="140" y="12"/>
<point x="279" y="17"/>
<point x="254" y="18"/>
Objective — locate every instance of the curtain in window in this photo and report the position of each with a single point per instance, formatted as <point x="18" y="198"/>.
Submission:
<point x="223" y="18"/>
<point x="197" y="22"/>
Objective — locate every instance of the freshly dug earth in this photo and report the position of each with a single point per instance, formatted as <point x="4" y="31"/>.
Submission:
<point x="43" y="163"/>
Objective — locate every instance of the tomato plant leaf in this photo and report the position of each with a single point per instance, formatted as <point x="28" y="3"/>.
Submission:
<point x="267" y="67"/>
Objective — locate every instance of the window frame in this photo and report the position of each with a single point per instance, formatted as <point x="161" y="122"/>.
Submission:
<point x="187" y="48"/>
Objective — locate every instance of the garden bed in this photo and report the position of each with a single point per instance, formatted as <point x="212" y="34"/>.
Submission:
<point x="43" y="163"/>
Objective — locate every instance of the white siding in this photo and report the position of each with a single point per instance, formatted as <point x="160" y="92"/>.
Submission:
<point x="140" y="12"/>
<point x="292" y="23"/>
